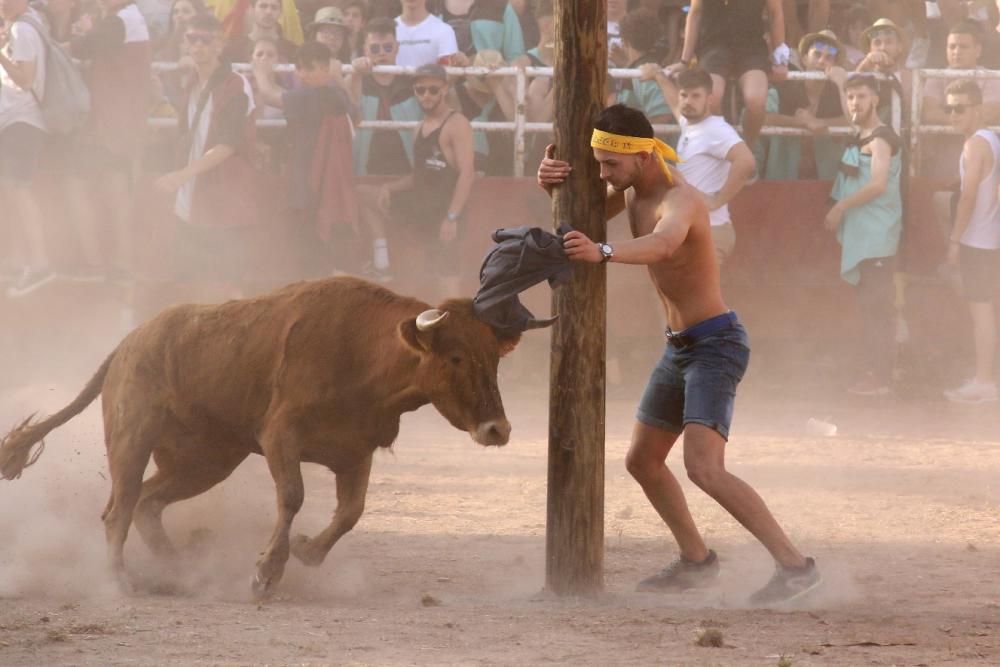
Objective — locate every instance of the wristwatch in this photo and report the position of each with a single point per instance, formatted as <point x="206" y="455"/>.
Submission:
<point x="453" y="217"/>
<point x="607" y="252"/>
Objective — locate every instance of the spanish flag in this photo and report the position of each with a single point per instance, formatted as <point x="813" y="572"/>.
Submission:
<point x="232" y="13"/>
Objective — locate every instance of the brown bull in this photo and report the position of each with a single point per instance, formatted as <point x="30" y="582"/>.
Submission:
<point x="318" y="372"/>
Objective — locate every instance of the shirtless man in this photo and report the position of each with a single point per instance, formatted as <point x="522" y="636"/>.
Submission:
<point x="693" y="387"/>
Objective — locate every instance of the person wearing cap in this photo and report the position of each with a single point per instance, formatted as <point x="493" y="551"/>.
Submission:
<point x="428" y="203"/>
<point x="330" y="29"/>
<point x="811" y="105"/>
<point x="692" y="389"/>
<point x="265" y="15"/>
<point x="728" y="40"/>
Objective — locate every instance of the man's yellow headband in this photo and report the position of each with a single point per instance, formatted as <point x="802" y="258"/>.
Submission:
<point x="618" y="143"/>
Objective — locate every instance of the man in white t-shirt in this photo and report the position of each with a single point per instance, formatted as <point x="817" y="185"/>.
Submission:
<point x="423" y="38"/>
<point x="714" y="158"/>
<point x="22" y="137"/>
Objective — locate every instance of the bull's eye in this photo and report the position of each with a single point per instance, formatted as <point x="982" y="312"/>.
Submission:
<point x="456" y="361"/>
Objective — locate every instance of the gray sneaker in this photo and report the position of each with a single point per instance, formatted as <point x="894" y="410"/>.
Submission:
<point x="788" y="584"/>
<point x="681" y="575"/>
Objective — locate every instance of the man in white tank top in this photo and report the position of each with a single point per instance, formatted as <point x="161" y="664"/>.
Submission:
<point x="974" y="243"/>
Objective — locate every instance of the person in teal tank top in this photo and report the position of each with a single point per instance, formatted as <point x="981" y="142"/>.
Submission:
<point x="867" y="219"/>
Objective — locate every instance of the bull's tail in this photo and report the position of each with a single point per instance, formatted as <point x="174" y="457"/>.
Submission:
<point x="15" y="447"/>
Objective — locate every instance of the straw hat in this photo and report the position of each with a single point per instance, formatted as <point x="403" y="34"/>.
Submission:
<point x="827" y="36"/>
<point x="328" y="16"/>
<point x="879" y="26"/>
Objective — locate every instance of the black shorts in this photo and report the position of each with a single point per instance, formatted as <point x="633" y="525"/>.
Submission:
<point x="980" y="273"/>
<point x="20" y="146"/>
<point x="420" y="217"/>
<point x="731" y="62"/>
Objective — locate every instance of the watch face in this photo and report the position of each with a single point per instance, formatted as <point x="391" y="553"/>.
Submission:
<point x="606" y="249"/>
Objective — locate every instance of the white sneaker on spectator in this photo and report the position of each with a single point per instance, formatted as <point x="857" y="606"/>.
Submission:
<point x="31" y="280"/>
<point x="973" y="391"/>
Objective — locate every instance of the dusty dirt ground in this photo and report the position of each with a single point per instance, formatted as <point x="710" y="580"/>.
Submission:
<point x="901" y="510"/>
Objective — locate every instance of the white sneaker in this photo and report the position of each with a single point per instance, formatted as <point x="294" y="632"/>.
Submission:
<point x="973" y="392"/>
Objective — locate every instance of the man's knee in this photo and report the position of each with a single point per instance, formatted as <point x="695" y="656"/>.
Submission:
<point x="645" y="458"/>
<point x="705" y="473"/>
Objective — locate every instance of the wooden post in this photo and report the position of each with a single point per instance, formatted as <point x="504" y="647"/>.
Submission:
<point x="574" y="536"/>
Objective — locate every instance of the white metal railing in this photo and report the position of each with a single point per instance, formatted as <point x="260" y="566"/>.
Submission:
<point x="519" y="126"/>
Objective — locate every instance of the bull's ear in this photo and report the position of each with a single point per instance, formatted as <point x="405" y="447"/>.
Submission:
<point x="414" y="338"/>
<point x="508" y="343"/>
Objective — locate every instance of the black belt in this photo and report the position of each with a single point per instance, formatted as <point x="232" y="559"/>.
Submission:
<point x="692" y="334"/>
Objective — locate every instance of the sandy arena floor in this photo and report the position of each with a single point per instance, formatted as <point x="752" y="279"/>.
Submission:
<point x="901" y="510"/>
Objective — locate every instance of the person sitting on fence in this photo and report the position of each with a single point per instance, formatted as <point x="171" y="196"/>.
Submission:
<point x="22" y="137"/>
<point x="638" y="31"/>
<point x="379" y="96"/>
<point x="428" y="202"/>
<point x="814" y="106"/>
<point x="265" y="15"/>
<point x="320" y="186"/>
<point x="964" y="51"/>
<point x="728" y="39"/>
<point x="974" y="241"/>
<point x="214" y="183"/>
<point x="489" y="98"/>
<point x="867" y="219"/>
<point x="105" y="155"/>
<point x="423" y="38"/>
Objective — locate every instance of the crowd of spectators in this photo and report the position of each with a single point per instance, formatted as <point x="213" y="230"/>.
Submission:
<point x="205" y="72"/>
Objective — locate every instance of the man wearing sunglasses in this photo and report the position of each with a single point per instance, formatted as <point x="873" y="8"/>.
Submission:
<point x="867" y="219"/>
<point x="214" y="186"/>
<point x="430" y="199"/>
<point x="379" y="96"/>
<point x="974" y="241"/>
<point x="814" y="106"/>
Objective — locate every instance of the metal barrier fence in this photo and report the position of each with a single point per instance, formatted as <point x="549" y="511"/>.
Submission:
<point x="520" y="125"/>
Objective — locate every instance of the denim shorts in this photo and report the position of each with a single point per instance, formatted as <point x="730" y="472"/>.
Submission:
<point x="696" y="381"/>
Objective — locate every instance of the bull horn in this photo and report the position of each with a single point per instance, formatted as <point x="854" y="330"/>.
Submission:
<point x="430" y="319"/>
<point x="541" y="324"/>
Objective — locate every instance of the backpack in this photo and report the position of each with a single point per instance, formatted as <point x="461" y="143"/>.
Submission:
<point x="65" y="102"/>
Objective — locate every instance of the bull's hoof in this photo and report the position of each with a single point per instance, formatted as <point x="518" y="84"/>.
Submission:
<point x="302" y="549"/>
<point x="261" y="587"/>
